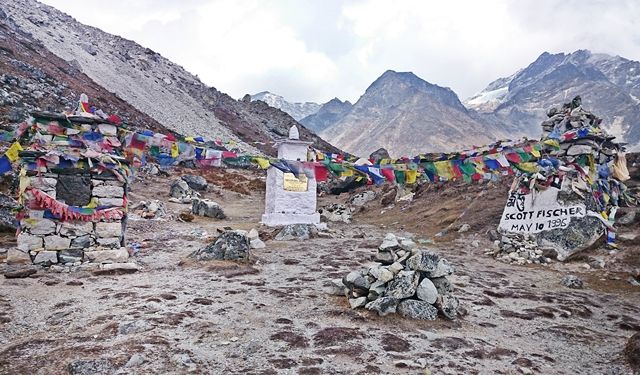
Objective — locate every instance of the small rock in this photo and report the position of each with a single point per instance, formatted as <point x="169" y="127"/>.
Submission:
<point x="383" y="305"/>
<point x="424" y="260"/>
<point x="404" y="285"/>
<point x="442" y="269"/>
<point x="464" y="228"/>
<point x="257" y="244"/>
<point x="22" y="272"/>
<point x="355" y="280"/>
<point x="415" y="309"/>
<point x="443" y="285"/>
<point x="448" y="306"/>
<point x="571" y="281"/>
<point x="357" y="302"/>
<point x="136" y="326"/>
<point x="135" y="360"/>
<point x="230" y="245"/>
<point x="427" y="291"/>
<point x="390" y="242"/>
<point x="396" y="267"/>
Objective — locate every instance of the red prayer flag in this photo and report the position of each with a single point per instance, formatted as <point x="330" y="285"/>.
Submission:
<point x="322" y="173"/>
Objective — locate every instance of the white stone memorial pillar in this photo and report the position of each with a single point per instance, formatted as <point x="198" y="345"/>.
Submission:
<point x="290" y="200"/>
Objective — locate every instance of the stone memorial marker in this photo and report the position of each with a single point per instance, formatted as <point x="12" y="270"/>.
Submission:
<point x="290" y="199"/>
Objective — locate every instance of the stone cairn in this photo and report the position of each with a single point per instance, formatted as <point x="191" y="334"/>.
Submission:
<point x="405" y="280"/>
<point x="584" y="147"/>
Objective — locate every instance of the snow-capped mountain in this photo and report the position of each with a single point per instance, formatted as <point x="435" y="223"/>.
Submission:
<point x="296" y="110"/>
<point x="609" y="87"/>
<point x="408" y="116"/>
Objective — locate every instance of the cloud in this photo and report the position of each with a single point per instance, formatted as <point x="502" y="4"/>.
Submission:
<point x="317" y="50"/>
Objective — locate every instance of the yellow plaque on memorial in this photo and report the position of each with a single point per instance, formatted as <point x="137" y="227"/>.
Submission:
<point x="292" y="183"/>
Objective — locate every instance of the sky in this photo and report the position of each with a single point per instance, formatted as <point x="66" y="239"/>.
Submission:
<point x="315" y="50"/>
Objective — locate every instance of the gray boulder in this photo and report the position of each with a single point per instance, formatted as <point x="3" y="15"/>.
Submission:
<point x="229" y="245"/>
<point x="404" y="285"/>
<point x="383" y="305"/>
<point x="195" y="182"/>
<point x="415" y="309"/>
<point x="208" y="208"/>
<point x="379" y="154"/>
<point x="297" y="232"/>
<point x="180" y="189"/>
<point x="424" y="260"/>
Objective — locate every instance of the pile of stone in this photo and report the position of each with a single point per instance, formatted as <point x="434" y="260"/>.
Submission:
<point x="405" y="280"/>
<point x="518" y="249"/>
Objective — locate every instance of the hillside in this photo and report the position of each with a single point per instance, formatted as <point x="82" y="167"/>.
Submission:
<point x="152" y="84"/>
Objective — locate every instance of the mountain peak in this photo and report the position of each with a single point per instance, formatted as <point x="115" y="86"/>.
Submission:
<point x="296" y="110"/>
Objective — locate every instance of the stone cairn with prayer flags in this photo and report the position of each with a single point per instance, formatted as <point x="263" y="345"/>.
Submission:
<point x="568" y="199"/>
<point x="72" y="190"/>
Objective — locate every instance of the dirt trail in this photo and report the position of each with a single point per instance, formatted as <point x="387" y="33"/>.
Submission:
<point x="274" y="316"/>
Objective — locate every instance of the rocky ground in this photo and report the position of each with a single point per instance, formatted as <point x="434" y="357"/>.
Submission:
<point x="274" y="315"/>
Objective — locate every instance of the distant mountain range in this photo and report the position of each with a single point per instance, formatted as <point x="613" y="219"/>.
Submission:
<point x="407" y="115"/>
<point x="296" y="110"/>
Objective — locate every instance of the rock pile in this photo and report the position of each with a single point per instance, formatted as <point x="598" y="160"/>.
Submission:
<point x="405" y="280"/>
<point x="297" y="232"/>
<point x="519" y="249"/>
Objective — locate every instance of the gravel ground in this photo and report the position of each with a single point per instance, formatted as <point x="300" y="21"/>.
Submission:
<point x="274" y="316"/>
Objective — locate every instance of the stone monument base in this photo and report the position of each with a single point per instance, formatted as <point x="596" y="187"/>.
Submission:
<point x="274" y="219"/>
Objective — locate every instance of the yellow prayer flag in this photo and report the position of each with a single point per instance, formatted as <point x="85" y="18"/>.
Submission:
<point x="175" y="151"/>
<point x="443" y="168"/>
<point x="552" y="142"/>
<point x="411" y="176"/>
<point x="535" y="152"/>
<point x="190" y="139"/>
<point x="12" y="152"/>
<point x="262" y="162"/>
<point x="529" y="167"/>
<point x="347" y="172"/>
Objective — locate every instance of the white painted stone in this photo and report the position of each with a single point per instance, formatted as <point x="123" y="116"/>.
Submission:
<point x="76" y="228"/>
<point x="107" y="230"/>
<point x="283" y="207"/>
<point x="28" y="242"/>
<point x="56" y="242"/>
<point x="107" y="256"/>
<point x="39" y="226"/>
<point x="115" y="202"/>
<point x="44" y="256"/>
<point x="107" y="191"/>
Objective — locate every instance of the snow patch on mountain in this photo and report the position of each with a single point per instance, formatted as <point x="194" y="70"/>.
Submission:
<point x="296" y="110"/>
